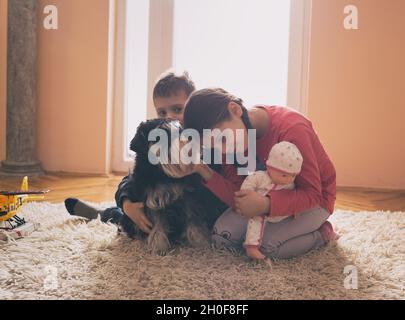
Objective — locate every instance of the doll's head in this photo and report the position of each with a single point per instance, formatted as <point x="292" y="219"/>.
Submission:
<point x="284" y="163"/>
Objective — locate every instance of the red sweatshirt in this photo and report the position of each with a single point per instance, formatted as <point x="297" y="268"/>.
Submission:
<point x="314" y="186"/>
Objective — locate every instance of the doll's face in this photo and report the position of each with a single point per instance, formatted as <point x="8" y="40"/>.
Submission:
<point x="282" y="178"/>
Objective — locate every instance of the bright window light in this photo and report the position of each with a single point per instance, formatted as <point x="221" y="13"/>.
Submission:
<point x="136" y="66"/>
<point x="239" y="45"/>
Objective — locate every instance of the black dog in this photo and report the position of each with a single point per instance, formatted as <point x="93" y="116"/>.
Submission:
<point x="182" y="210"/>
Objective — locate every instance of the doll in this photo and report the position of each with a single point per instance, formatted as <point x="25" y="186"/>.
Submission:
<point x="283" y="165"/>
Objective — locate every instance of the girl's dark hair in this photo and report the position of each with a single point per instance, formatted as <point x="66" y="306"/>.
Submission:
<point x="208" y="107"/>
<point x="170" y="84"/>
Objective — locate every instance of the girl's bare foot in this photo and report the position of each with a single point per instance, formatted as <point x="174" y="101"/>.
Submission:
<point x="327" y="232"/>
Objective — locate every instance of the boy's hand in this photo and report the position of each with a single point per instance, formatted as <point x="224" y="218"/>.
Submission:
<point x="134" y="210"/>
<point x="251" y="204"/>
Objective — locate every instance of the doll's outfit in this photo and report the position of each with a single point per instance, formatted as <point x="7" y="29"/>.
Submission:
<point x="284" y="157"/>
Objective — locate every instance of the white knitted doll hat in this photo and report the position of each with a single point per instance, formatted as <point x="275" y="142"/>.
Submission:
<point x="286" y="157"/>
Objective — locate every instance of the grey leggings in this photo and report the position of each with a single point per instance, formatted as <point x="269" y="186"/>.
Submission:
<point x="288" y="238"/>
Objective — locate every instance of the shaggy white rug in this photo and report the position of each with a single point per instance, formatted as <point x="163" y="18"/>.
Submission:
<point x="71" y="259"/>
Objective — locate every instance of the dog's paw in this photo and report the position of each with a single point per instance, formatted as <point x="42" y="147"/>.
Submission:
<point x="197" y="237"/>
<point x="158" y="243"/>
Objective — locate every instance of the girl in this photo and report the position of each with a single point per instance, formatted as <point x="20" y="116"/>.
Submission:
<point x="308" y="206"/>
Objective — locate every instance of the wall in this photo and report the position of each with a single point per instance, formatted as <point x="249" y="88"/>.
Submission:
<point x="356" y="90"/>
<point x="72" y="88"/>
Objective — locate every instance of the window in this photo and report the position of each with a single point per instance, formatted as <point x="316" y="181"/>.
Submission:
<point x="239" y="45"/>
<point x="254" y="49"/>
<point x="136" y="66"/>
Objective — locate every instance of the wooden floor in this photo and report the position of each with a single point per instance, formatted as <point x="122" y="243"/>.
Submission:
<point x="99" y="189"/>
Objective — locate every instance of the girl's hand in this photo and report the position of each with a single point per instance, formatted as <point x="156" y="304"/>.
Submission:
<point x="251" y="204"/>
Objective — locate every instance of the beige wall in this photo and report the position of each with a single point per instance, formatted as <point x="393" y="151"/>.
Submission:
<point x="72" y="88"/>
<point x="3" y="76"/>
<point x="357" y="90"/>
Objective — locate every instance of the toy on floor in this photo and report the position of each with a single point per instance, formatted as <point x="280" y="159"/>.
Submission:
<point x="11" y="225"/>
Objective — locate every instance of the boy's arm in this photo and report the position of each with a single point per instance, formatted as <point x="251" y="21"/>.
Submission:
<point x="125" y="191"/>
<point x="122" y="191"/>
<point x="134" y="207"/>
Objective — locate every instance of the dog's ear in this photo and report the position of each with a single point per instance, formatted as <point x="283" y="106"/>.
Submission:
<point x="139" y="144"/>
<point x="132" y="146"/>
<point x="139" y="140"/>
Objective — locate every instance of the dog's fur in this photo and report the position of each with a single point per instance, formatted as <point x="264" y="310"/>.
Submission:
<point x="182" y="210"/>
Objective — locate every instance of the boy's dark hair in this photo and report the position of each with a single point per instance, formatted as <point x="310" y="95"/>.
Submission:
<point x="170" y="84"/>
